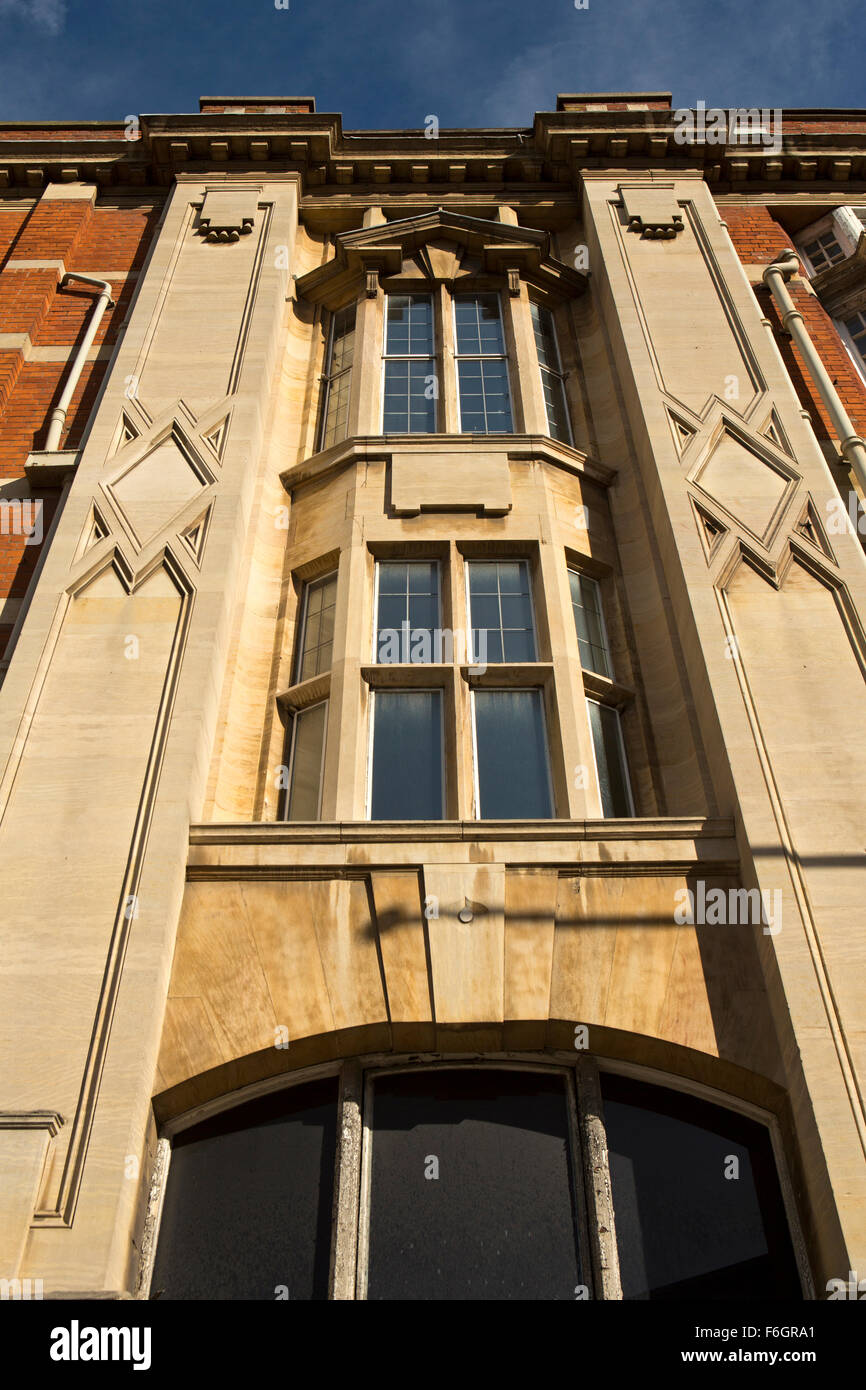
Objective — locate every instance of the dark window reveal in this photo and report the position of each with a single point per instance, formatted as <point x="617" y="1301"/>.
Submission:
<point x="684" y="1229"/>
<point x="498" y="1221"/>
<point x="407" y="770"/>
<point x="247" y="1207"/>
<point x="512" y="762"/>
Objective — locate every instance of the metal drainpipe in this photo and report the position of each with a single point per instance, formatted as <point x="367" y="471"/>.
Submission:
<point x="55" y="429"/>
<point x="58" y="414"/>
<point x="852" y="446"/>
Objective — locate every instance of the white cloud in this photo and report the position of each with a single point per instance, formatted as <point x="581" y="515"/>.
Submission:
<point x="49" y="15"/>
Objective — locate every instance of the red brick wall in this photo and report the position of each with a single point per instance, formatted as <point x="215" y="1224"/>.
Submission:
<point x="87" y="239"/>
<point x="759" y="238"/>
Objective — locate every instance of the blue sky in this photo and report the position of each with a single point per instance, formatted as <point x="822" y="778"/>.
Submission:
<point x="390" y="63"/>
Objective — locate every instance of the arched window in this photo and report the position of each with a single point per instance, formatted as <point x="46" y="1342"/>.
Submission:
<point x="464" y="1180"/>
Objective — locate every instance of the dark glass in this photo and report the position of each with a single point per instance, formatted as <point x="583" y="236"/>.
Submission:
<point x="683" y="1229"/>
<point x="308" y="747"/>
<point x="501" y="610"/>
<point x="408" y="611"/>
<point x="586" y="603"/>
<point x="409" y="325"/>
<point x="407" y="755"/>
<point x="410" y="405"/>
<point x="478" y="324"/>
<point x="511" y="743"/>
<point x="498" y="1221"/>
<point x="248" y="1201"/>
<point x="609" y="760"/>
<point x="482" y="373"/>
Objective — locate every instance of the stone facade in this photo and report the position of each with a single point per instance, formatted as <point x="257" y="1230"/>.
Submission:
<point x="164" y="922"/>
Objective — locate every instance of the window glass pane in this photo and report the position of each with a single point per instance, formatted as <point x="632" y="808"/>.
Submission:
<point x="555" y="404"/>
<point x="586" y="602"/>
<point x="824" y="250"/>
<point x="339" y="376"/>
<point x="320" y="600"/>
<point x="337" y="413"/>
<point x="545" y="336"/>
<point x="407" y="755"/>
<point x="410" y="406"/>
<point x="308" y="749"/>
<point x="511" y="743"/>
<point x="857" y="328"/>
<point x="501" y="611"/>
<point x="248" y="1201"/>
<point x="609" y="760"/>
<point x="685" y="1228"/>
<point x="478" y="324"/>
<point x="343" y="341"/>
<point x="409" y="325"/>
<point x="408" y="613"/>
<point x="482" y="373"/>
<point x="551" y="374"/>
<point x="497" y="1222"/>
<point x="485" y="406"/>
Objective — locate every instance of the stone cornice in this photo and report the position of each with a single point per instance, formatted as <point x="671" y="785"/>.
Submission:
<point x="652" y="845"/>
<point x="819" y="147"/>
<point x="368" y="448"/>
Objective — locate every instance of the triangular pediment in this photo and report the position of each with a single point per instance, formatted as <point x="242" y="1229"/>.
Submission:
<point x="438" y="247"/>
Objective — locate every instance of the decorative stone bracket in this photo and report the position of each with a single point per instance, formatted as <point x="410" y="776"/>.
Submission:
<point x="227" y="214"/>
<point x="651" y="209"/>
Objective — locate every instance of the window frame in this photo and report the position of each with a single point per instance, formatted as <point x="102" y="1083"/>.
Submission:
<point x="309" y="585"/>
<point x="576" y="1151"/>
<point x="845" y="225"/>
<point x="433" y="356"/>
<point x="591" y="579"/>
<point x="603" y="704"/>
<point x="480" y="357"/>
<point x="558" y="372"/>
<point x="591" y="1178"/>
<point x="525" y="560"/>
<point x="290" y="765"/>
<point x="476" y="769"/>
<point x="848" y="342"/>
<point x="371" y="733"/>
<point x="328" y="377"/>
<point x="420" y="559"/>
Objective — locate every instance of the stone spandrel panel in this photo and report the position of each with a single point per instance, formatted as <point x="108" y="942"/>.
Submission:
<point x="109" y="712"/>
<point x="450" y="480"/>
<point x="698" y="347"/>
<point x="152" y="491"/>
<point x="112" y="660"/>
<point x="198" y="333"/>
<point x="687" y="336"/>
<point x="746" y="483"/>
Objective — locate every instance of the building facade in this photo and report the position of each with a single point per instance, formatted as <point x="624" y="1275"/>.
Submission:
<point x="433" y="622"/>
